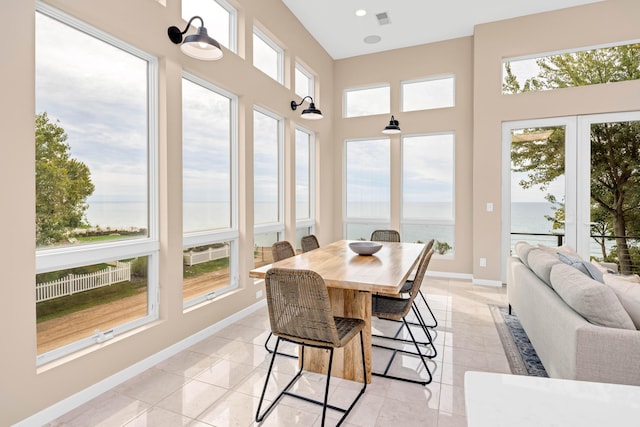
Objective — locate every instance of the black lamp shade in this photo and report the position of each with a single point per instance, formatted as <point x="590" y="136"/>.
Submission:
<point x="311" y="113"/>
<point x="201" y="46"/>
<point x="392" y="128"/>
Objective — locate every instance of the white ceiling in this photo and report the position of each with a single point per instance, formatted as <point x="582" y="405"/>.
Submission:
<point x="335" y="26"/>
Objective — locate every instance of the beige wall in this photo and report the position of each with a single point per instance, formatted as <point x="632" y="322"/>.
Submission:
<point x="476" y="120"/>
<point x="453" y="57"/>
<point x="596" y="24"/>
<point x="26" y="389"/>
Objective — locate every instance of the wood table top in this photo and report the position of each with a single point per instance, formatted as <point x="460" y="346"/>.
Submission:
<point x="385" y="271"/>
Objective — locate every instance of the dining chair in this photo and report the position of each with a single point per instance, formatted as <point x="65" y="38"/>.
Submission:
<point x="385" y="236"/>
<point x="300" y="312"/>
<point x="280" y="250"/>
<point x="309" y="243"/>
<point x="406" y="288"/>
<point x="396" y="308"/>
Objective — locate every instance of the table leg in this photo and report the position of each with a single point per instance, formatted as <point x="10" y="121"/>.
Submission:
<point x="347" y="361"/>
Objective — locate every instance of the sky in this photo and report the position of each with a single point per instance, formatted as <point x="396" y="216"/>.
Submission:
<point x="98" y="94"/>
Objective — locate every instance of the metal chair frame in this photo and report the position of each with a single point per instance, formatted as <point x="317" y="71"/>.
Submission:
<point x="309" y="342"/>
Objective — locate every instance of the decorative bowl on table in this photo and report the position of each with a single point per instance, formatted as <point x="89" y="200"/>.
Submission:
<point x="365" y="248"/>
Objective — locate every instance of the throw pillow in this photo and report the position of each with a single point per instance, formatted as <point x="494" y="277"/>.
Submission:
<point x="585" y="267"/>
<point x="592" y="300"/>
<point x="541" y="262"/>
<point x="629" y="295"/>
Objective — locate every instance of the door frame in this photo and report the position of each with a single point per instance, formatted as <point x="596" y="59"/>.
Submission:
<point x="570" y="124"/>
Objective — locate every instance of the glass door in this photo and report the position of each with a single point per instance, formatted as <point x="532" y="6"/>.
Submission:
<point x="539" y="190"/>
<point x="609" y="189"/>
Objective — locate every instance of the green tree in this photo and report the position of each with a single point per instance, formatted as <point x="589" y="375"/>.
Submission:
<point x="615" y="147"/>
<point x="62" y="184"/>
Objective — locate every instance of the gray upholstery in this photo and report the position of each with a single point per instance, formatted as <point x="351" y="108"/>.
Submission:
<point x="568" y="345"/>
<point x="541" y="262"/>
<point x="592" y="300"/>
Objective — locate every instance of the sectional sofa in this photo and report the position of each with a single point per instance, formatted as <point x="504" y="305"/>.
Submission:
<point x="578" y="325"/>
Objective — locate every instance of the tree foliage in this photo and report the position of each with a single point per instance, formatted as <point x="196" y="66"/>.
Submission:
<point x="62" y="184"/>
<point x="615" y="147"/>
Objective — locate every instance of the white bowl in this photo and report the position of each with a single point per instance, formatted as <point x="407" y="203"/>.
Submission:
<point x="365" y="248"/>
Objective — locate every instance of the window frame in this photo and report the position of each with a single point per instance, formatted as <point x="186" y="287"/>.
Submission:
<point x="257" y="32"/>
<point x="52" y="259"/>
<point x="231" y="234"/>
<point x="430" y="221"/>
<point x="346" y="220"/>
<point x="360" y="89"/>
<point x="311" y="221"/>
<point x="311" y="85"/>
<point x="451" y="77"/>
<point x="278" y="226"/>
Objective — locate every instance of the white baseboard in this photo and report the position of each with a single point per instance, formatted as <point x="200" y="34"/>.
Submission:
<point x="485" y="282"/>
<point x="62" y="407"/>
<point x="447" y="275"/>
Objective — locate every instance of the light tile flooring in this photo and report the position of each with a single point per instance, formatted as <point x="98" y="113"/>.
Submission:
<point x="218" y="381"/>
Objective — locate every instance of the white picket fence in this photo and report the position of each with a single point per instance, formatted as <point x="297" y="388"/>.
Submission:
<point x="74" y="283"/>
<point x="192" y="258"/>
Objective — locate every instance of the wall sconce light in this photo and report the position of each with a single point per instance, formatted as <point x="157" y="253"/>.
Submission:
<point x="311" y="113"/>
<point x="199" y="45"/>
<point x="393" y="127"/>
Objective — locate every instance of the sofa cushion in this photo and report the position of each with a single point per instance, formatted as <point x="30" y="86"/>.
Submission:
<point x="522" y="249"/>
<point x="628" y="294"/>
<point x="585" y="267"/>
<point x="592" y="300"/>
<point x="541" y="262"/>
<point x="555" y="250"/>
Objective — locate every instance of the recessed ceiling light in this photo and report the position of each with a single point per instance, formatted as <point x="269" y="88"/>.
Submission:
<point x="373" y="39"/>
<point x="361" y="12"/>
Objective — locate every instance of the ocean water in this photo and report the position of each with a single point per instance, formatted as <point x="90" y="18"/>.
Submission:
<point x="525" y="218"/>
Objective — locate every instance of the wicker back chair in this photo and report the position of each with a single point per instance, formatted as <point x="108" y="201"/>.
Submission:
<point x="300" y="312"/>
<point x="407" y="287"/>
<point x="397" y="308"/>
<point x="279" y="251"/>
<point x="385" y="236"/>
<point x="282" y="250"/>
<point x="309" y="243"/>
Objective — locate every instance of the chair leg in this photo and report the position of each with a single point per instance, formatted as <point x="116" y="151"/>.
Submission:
<point x="435" y="321"/>
<point x="260" y="417"/>
<point x="324" y="403"/>
<point x="266" y="346"/>
<point x="407" y="324"/>
<point x="417" y="353"/>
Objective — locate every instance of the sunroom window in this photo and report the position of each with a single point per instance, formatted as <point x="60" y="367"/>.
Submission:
<point x="96" y="197"/>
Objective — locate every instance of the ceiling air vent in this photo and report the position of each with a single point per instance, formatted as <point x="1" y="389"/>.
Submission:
<point x="383" y="18"/>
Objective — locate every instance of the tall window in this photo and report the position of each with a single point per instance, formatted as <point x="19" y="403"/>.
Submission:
<point x="268" y="57"/>
<point x="305" y="194"/>
<point x="367" y="190"/>
<point x="209" y="190"/>
<point x="367" y="101"/>
<point x="428" y="94"/>
<point x="268" y="163"/>
<point x="428" y="190"/>
<point x="219" y="17"/>
<point x="96" y="201"/>
<point x="304" y="82"/>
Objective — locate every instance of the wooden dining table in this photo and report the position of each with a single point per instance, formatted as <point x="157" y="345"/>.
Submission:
<point x="351" y="279"/>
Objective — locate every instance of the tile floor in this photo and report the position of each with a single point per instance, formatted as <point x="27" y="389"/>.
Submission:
<point x="218" y="381"/>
